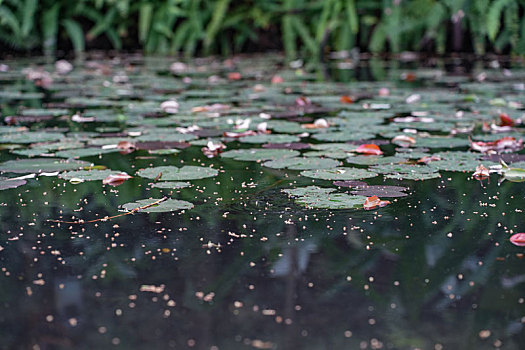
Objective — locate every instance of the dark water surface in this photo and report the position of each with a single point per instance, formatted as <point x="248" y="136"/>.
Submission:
<point x="247" y="267"/>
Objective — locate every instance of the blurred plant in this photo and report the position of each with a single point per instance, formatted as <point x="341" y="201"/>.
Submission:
<point x="304" y="27"/>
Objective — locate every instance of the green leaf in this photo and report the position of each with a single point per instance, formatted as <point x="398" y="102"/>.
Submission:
<point x="75" y="34"/>
<point x="342" y="173"/>
<point x="173" y="173"/>
<point x="145" y="16"/>
<point x="28" y="19"/>
<point x="165" y="206"/>
<point x="38" y="165"/>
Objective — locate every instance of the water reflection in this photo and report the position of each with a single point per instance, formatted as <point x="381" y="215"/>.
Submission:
<point x="249" y="269"/>
<point x="443" y="277"/>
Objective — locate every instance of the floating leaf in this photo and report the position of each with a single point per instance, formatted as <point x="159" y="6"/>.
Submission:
<point x="374" y="160"/>
<point x="339" y="136"/>
<point x="165" y="206"/>
<point x="170" y="185"/>
<point x="38" y="165"/>
<point x="379" y="190"/>
<point x="269" y="138"/>
<point x="30" y="137"/>
<point x="258" y="154"/>
<point x="173" y="173"/>
<point x="323" y="198"/>
<point x="6" y="183"/>
<point x="302" y="163"/>
<point x="341" y="173"/>
<point x="87" y="175"/>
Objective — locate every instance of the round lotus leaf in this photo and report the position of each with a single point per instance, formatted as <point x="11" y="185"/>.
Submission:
<point x="341" y="173"/>
<point x="379" y="190"/>
<point x="83" y="152"/>
<point x="88" y="175"/>
<point x="6" y="183"/>
<point x="30" y="137"/>
<point x="341" y="136"/>
<point x="413" y="176"/>
<point x="441" y="142"/>
<point x="166" y="137"/>
<point x="173" y="173"/>
<point x="459" y="161"/>
<point x="324" y="198"/>
<point x="165" y="151"/>
<point x="165" y="206"/>
<point x="341" y="147"/>
<point x="374" y="160"/>
<point x="259" y="154"/>
<point x="302" y="163"/>
<point x="308" y="191"/>
<point x="44" y="111"/>
<point x="327" y="153"/>
<point x="170" y="185"/>
<point x="269" y="138"/>
<point x="38" y="165"/>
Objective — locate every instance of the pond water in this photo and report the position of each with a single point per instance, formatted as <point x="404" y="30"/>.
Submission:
<point x="248" y="254"/>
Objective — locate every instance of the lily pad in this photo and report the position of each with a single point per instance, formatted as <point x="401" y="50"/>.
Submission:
<point x="341" y="173"/>
<point x="374" y="160"/>
<point x="324" y="198"/>
<point x="83" y="152"/>
<point x="340" y="136"/>
<point x="441" y="142"/>
<point x="269" y="138"/>
<point x="165" y="206"/>
<point x="170" y="185"/>
<point x="173" y="173"/>
<point x="88" y="175"/>
<point x="6" y="183"/>
<point x="258" y="154"/>
<point x="38" y="165"/>
<point x="302" y="163"/>
<point x="30" y="137"/>
<point x="380" y="191"/>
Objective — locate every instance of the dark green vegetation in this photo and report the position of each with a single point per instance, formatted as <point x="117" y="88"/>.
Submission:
<point x="244" y="252"/>
<point x="297" y="26"/>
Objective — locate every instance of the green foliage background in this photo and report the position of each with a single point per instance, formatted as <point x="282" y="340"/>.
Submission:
<point x="301" y="27"/>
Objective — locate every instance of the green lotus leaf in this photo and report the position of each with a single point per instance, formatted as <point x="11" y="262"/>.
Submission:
<point x="173" y="173"/>
<point x="170" y="185"/>
<point x="38" y="165"/>
<point x="341" y="173"/>
<point x="259" y="154"/>
<point x="165" y="206"/>
<point x="302" y="163"/>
